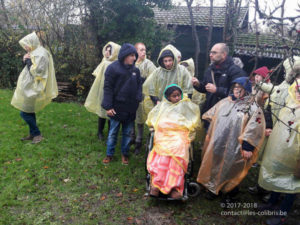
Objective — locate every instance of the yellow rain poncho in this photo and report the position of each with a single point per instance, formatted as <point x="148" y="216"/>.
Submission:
<point x="279" y="93"/>
<point x="36" y="87"/>
<point x="95" y="96"/>
<point x="198" y="98"/>
<point x="231" y="123"/>
<point x="165" y="117"/>
<point x="175" y="125"/>
<point x="146" y="67"/>
<point x="283" y="151"/>
<point x="161" y="78"/>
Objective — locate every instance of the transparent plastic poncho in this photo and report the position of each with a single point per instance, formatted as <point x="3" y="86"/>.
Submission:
<point x="95" y="96"/>
<point x="197" y="97"/>
<point x="161" y="78"/>
<point x="282" y="152"/>
<point x="35" y="87"/>
<point x="146" y="67"/>
<point x="175" y="126"/>
<point x="231" y="123"/>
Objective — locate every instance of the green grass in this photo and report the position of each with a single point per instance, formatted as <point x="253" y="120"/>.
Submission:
<point x="62" y="180"/>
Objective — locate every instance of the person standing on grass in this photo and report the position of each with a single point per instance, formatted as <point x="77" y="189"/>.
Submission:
<point x="36" y="85"/>
<point x="122" y="95"/>
<point x="146" y="67"/>
<point x="280" y="167"/>
<point x="94" y="99"/>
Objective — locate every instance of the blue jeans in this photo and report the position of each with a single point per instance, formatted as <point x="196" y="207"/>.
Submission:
<point x="113" y="136"/>
<point x="30" y="119"/>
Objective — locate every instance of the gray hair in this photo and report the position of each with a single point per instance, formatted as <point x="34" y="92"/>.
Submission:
<point x="224" y="48"/>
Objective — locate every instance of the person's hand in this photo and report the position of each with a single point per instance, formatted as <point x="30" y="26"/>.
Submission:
<point x="195" y="82"/>
<point x="211" y="88"/>
<point x="111" y="112"/>
<point x="246" y="155"/>
<point x="268" y="132"/>
<point x="26" y="56"/>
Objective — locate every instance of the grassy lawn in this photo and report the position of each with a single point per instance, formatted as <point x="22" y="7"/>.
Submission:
<point x="62" y="180"/>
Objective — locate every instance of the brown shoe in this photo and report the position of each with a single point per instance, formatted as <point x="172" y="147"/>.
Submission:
<point x="28" y="138"/>
<point x="37" y="139"/>
<point x="125" y="160"/>
<point x="175" y="194"/>
<point x="154" y="191"/>
<point x="107" y="160"/>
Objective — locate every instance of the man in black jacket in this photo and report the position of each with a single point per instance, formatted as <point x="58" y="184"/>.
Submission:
<point x="122" y="94"/>
<point x="218" y="77"/>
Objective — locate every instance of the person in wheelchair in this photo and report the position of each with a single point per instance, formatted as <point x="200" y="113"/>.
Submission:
<point x="175" y="121"/>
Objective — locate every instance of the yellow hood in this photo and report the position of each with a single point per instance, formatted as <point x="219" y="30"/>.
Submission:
<point x="115" y="48"/>
<point x="172" y="49"/>
<point x="191" y="65"/>
<point x="30" y="40"/>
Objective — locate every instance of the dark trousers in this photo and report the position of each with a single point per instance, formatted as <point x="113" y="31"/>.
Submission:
<point x="30" y="119"/>
<point x="287" y="202"/>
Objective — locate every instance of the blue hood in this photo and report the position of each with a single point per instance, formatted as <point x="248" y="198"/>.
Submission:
<point x="244" y="82"/>
<point x="126" y="50"/>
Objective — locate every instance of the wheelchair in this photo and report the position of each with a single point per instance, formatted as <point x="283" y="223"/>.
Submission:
<point x="191" y="188"/>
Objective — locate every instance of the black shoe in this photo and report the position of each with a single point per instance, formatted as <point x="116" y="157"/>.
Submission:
<point x="210" y="196"/>
<point x="100" y="136"/>
<point x="276" y="220"/>
<point x="138" y="146"/>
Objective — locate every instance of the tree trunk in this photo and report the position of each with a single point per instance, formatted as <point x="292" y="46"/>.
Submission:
<point x="210" y="29"/>
<point x="195" y="36"/>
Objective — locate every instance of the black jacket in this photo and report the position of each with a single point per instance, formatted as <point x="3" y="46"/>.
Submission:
<point x="122" y="86"/>
<point x="224" y="75"/>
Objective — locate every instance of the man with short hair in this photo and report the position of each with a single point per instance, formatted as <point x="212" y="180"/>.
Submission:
<point x="168" y="72"/>
<point x="218" y="77"/>
<point x="122" y="94"/>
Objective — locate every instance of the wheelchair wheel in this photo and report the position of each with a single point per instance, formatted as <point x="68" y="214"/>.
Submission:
<point x="193" y="189"/>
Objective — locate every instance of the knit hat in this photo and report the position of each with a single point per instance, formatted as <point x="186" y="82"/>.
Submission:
<point x="170" y="88"/>
<point x="244" y="82"/>
<point x="263" y="71"/>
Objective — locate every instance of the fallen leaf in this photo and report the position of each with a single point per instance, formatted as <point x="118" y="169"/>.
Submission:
<point x="93" y="187"/>
<point x="119" y="194"/>
<point x="130" y="218"/>
<point x="18" y="159"/>
<point x="46" y="167"/>
<point x="85" y="195"/>
<point x="64" y="126"/>
<point x="8" y="162"/>
<point x="67" y="180"/>
<point x="26" y="170"/>
<point x="103" y="198"/>
<point x="135" y="190"/>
